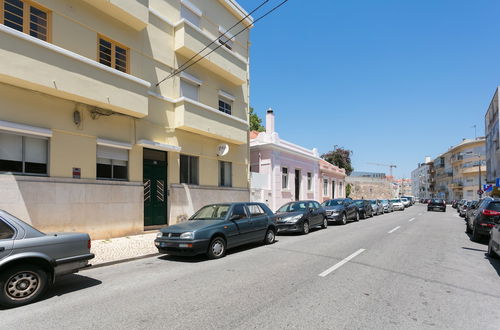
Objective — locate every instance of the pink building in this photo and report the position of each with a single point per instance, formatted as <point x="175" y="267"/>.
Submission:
<point x="332" y="181"/>
<point x="282" y="171"/>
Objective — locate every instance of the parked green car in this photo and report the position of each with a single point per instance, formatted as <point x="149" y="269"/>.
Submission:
<point x="218" y="227"/>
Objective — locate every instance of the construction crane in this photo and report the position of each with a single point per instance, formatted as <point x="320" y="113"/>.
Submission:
<point x="391" y="166"/>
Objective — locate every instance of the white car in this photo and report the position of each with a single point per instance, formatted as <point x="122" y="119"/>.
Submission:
<point x="397" y="204"/>
<point x="406" y="202"/>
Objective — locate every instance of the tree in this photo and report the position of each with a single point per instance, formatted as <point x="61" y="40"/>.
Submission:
<point x="348" y="190"/>
<point x="255" y="122"/>
<point x="339" y="157"/>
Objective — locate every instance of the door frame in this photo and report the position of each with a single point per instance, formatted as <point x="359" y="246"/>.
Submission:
<point x="165" y="192"/>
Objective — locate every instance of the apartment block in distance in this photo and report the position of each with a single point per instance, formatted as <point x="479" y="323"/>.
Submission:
<point x="491" y="122"/>
<point x="89" y="141"/>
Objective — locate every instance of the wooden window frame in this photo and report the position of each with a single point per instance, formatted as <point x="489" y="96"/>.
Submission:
<point x="113" y="52"/>
<point x="26" y="17"/>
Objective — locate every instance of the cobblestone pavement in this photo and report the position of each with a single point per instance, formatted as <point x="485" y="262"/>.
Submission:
<point x="121" y="248"/>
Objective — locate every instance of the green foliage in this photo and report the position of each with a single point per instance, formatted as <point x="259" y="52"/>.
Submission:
<point x="348" y="190"/>
<point x="339" y="157"/>
<point x="255" y="122"/>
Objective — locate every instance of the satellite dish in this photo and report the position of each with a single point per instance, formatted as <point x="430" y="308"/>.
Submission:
<point x="222" y="149"/>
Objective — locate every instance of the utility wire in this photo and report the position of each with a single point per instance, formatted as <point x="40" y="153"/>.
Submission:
<point x="177" y="71"/>
<point x="210" y="44"/>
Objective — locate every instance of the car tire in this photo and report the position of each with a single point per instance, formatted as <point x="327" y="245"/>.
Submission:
<point x="467" y="229"/>
<point x="217" y="248"/>
<point x="325" y="223"/>
<point x="476" y="237"/>
<point x="491" y="253"/>
<point x="357" y="217"/>
<point x="270" y="237"/>
<point x="305" y="228"/>
<point x="343" y="221"/>
<point x="21" y="285"/>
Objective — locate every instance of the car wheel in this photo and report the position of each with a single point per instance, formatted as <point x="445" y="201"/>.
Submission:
<point x="325" y="223"/>
<point x="270" y="237"/>
<point x="492" y="253"/>
<point x="476" y="237"/>
<point x="467" y="228"/>
<point x="217" y="248"/>
<point x="22" y="285"/>
<point x="357" y="217"/>
<point x="343" y="221"/>
<point x="305" y="228"/>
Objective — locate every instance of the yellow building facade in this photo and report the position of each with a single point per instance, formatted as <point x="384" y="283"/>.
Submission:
<point x="89" y="141"/>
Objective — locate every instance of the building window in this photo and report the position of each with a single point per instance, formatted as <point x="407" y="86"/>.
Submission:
<point x="309" y="181"/>
<point x="189" y="90"/>
<point x="284" y="178"/>
<point x="189" y="169"/>
<point x="225" y="106"/>
<point x="225" y="174"/>
<point x="191" y="14"/>
<point x="26" y="16"/>
<point x="23" y="154"/>
<point x="325" y="187"/>
<point x="333" y="189"/>
<point x="340" y="189"/>
<point x="113" y="54"/>
<point x="112" y="163"/>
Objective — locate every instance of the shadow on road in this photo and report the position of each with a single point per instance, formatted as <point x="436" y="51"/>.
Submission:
<point x="471" y="249"/>
<point x="291" y="233"/>
<point x="494" y="262"/>
<point x="203" y="258"/>
<point x="71" y="283"/>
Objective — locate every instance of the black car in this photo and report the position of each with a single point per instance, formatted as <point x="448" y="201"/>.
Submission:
<point x="471" y="209"/>
<point x="300" y="216"/>
<point x="436" y="204"/>
<point x="341" y="210"/>
<point x="365" y="209"/>
<point x="485" y="217"/>
<point x="218" y="227"/>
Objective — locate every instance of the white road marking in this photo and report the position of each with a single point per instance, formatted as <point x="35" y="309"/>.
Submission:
<point x="412" y="219"/>
<point x="393" y="230"/>
<point x="341" y="263"/>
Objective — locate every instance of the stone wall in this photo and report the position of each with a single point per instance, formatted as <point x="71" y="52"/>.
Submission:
<point x="369" y="188"/>
<point x="102" y="209"/>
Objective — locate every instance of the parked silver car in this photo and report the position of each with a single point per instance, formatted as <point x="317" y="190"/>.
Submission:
<point x="397" y="204"/>
<point x="30" y="261"/>
<point x="377" y="207"/>
<point x="387" y="205"/>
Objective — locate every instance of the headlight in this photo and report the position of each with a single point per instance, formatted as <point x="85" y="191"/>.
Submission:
<point x="293" y="219"/>
<point x="188" y="235"/>
<point x="160" y="234"/>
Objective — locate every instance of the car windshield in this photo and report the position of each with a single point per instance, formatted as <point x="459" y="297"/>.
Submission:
<point x="437" y="201"/>
<point x="333" y="202"/>
<point x="404" y="199"/>
<point x="211" y="212"/>
<point x="358" y="202"/>
<point x="293" y="207"/>
<point x="395" y="200"/>
<point x="373" y="202"/>
<point x="385" y="201"/>
<point x="494" y="206"/>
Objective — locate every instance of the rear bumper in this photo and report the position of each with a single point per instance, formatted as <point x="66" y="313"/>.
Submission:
<point x="483" y="230"/>
<point x="72" y="264"/>
<point x="181" y="248"/>
<point x="436" y="207"/>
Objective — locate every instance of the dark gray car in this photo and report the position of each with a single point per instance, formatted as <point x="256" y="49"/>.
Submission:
<point x="218" y="227"/>
<point x="30" y="260"/>
<point x="300" y="216"/>
<point x="341" y="210"/>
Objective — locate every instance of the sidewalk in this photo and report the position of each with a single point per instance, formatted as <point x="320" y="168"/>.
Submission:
<point x="123" y="248"/>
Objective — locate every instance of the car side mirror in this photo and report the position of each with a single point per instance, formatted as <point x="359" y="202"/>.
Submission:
<point x="235" y="217"/>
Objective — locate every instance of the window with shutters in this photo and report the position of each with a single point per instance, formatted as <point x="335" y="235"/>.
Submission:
<point x="284" y="178"/>
<point x="189" y="90"/>
<point x="189" y="169"/>
<point x="23" y="154"/>
<point x="225" y="174"/>
<point x="27" y="17"/>
<point x="112" y="163"/>
<point x="113" y="54"/>
<point x="309" y="181"/>
<point x="325" y="187"/>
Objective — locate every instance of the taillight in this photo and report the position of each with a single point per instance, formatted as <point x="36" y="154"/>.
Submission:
<point x="89" y="244"/>
<point x="490" y="212"/>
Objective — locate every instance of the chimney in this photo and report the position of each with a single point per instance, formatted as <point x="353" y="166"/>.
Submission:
<point x="270" y="121"/>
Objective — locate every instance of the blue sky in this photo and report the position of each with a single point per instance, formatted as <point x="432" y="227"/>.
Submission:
<point x="392" y="80"/>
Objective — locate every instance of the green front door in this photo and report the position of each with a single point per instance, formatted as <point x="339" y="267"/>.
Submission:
<point x="155" y="187"/>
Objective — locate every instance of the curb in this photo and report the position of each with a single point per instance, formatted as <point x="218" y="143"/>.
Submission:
<point x="120" y="261"/>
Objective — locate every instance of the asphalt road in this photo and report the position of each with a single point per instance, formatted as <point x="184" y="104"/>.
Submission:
<point x="401" y="274"/>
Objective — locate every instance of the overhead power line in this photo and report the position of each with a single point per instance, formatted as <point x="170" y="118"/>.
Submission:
<point x="183" y="67"/>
